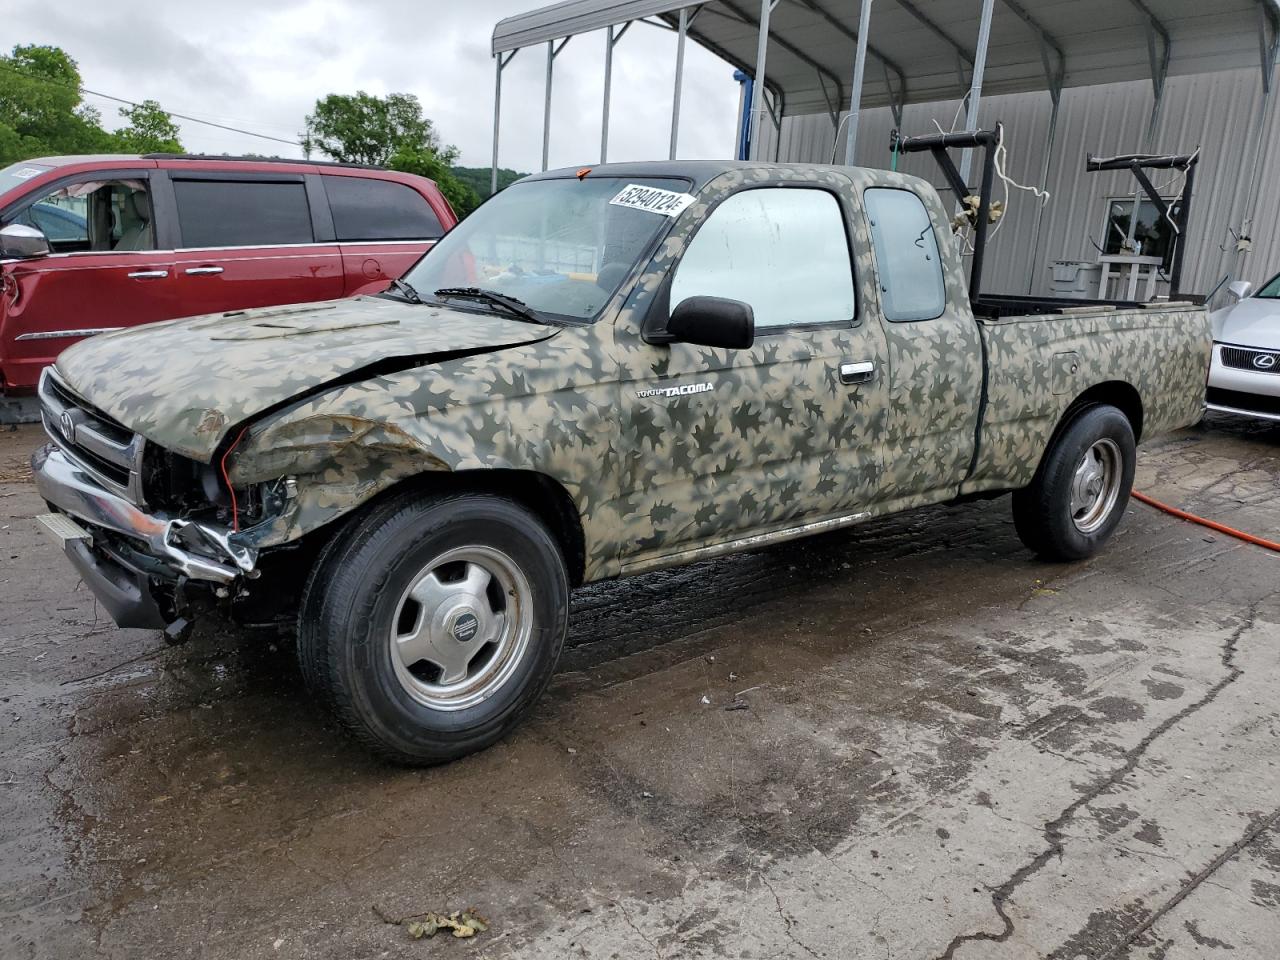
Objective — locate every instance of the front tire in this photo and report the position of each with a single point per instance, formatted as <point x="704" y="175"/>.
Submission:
<point x="1079" y="493"/>
<point x="434" y="623"/>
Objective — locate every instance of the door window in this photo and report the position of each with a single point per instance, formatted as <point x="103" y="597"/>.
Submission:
<point x="367" y="209"/>
<point x="242" y="213"/>
<point x="93" y="215"/>
<point x="784" y="251"/>
<point x="907" y="259"/>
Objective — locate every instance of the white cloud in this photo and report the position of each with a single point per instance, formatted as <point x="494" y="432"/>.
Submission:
<point x="262" y="67"/>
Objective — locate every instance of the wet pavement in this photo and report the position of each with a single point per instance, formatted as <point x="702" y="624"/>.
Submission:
<point x="911" y="739"/>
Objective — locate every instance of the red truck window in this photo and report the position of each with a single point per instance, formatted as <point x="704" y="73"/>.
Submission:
<point x="367" y="209"/>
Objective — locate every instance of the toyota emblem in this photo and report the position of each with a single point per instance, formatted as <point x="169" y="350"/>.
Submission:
<point x="68" y="425"/>
<point x="1264" y="361"/>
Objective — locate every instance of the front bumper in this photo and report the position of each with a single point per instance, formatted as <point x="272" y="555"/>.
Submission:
<point x="181" y="549"/>
<point x="1243" y="392"/>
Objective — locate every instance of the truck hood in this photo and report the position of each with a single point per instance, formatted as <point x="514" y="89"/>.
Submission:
<point x="1253" y="322"/>
<point x="186" y="384"/>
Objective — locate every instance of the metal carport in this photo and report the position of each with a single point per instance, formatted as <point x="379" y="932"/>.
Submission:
<point x="813" y="55"/>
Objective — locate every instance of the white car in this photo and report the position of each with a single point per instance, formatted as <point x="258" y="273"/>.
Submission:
<point x="1244" y="375"/>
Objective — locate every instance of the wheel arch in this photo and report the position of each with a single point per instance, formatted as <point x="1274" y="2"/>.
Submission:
<point x="542" y="495"/>
<point x="1120" y="394"/>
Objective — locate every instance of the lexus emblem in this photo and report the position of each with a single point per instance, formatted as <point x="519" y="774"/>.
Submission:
<point x="1264" y="361"/>
<point x="68" y="425"/>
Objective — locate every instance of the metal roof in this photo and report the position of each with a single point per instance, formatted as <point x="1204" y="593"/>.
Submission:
<point x="923" y="50"/>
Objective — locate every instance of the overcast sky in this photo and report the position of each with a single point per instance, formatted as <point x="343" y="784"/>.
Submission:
<point x="261" y="65"/>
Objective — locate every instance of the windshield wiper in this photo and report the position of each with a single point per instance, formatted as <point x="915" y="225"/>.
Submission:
<point x="405" y="289"/>
<point x="513" y="306"/>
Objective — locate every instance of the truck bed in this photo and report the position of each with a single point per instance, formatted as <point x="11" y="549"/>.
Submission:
<point x="1151" y="357"/>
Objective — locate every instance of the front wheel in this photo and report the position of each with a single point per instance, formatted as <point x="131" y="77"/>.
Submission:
<point x="1080" y="492"/>
<point x="434" y="624"/>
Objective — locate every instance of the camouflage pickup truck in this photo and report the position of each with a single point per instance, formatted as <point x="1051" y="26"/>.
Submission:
<point x="599" y="373"/>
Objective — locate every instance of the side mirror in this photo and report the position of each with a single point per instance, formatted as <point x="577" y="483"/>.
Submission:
<point x="713" y="322"/>
<point x="20" y="242"/>
<point x="1239" y="288"/>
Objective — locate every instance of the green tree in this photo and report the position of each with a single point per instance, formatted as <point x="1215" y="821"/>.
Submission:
<point x="363" y="128"/>
<point x="390" y="132"/>
<point x="149" y="130"/>
<point x="41" y="108"/>
<point x="480" y="178"/>
<point x="426" y="163"/>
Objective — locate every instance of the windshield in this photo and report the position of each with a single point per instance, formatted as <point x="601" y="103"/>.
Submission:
<point x="1270" y="290"/>
<point x="562" y="247"/>
<point x="19" y="173"/>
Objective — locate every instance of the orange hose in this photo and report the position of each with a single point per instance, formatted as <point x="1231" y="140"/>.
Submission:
<point x="1211" y="524"/>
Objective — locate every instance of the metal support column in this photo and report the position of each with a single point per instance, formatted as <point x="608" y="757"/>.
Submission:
<point x="553" y="51"/>
<point x="1267" y="48"/>
<point x="975" y="85"/>
<point x="500" y="62"/>
<point x="675" y="99"/>
<point x="608" y="89"/>
<point x="859" y="71"/>
<point x="757" y="86"/>
<point x="611" y="41"/>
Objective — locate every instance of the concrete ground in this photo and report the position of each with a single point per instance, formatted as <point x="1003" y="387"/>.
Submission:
<point x="944" y="749"/>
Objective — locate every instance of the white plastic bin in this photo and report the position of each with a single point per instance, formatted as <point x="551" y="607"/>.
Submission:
<point x="1075" y="279"/>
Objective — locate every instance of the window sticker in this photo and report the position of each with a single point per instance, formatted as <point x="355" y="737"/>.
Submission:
<point x="653" y="200"/>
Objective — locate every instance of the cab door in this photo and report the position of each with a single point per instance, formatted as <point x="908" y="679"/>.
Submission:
<point x="935" y="351"/>
<point x="250" y="240"/>
<point x="104" y="271"/>
<point x="718" y="444"/>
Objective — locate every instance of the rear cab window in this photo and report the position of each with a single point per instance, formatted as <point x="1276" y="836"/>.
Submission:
<point x="365" y="208"/>
<point x="242" y="213"/>
<point x="907" y="260"/>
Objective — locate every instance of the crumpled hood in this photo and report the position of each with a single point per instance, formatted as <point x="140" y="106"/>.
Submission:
<point x="185" y="383"/>
<point x="1253" y="322"/>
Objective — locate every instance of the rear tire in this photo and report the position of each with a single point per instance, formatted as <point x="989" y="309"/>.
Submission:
<point x="1079" y="493"/>
<point x="432" y="625"/>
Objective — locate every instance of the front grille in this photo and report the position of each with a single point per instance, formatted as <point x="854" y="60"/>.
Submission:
<point x="104" y="448"/>
<point x="1259" y="361"/>
<point x="1252" y="402"/>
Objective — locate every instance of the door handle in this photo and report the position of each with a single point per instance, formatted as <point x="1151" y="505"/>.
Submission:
<point x="148" y="274"/>
<point x="202" y="271"/>
<point x="858" y="371"/>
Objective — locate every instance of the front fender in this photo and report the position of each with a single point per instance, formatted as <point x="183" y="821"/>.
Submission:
<point x="547" y="407"/>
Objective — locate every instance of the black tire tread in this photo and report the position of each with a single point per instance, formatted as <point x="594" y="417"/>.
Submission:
<point x="335" y="584"/>
<point x="1037" y="507"/>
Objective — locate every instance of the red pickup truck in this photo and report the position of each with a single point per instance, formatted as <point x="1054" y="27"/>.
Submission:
<point x="90" y="244"/>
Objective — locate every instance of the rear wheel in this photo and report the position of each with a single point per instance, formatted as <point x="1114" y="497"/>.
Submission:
<point x="1080" y="492"/>
<point x="433" y="625"/>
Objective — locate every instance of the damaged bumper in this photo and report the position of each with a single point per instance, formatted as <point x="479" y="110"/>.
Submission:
<point x="169" y="548"/>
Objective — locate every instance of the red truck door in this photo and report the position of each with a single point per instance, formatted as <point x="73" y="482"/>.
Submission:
<point x="382" y="227"/>
<point x="249" y="240"/>
<point x="104" y="271"/>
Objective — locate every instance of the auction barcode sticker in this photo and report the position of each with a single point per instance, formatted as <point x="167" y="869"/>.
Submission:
<point x="666" y="202"/>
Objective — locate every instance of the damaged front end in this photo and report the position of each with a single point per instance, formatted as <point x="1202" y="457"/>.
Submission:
<point x="153" y="534"/>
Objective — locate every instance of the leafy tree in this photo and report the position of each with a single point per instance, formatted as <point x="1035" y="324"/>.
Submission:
<point x="390" y="132"/>
<point x="426" y="163"/>
<point x="150" y="130"/>
<point x="480" y="178"/>
<point x="41" y="108"/>
<point x="363" y="128"/>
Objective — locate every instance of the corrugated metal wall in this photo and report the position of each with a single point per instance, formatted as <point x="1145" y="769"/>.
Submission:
<point x="1219" y="112"/>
